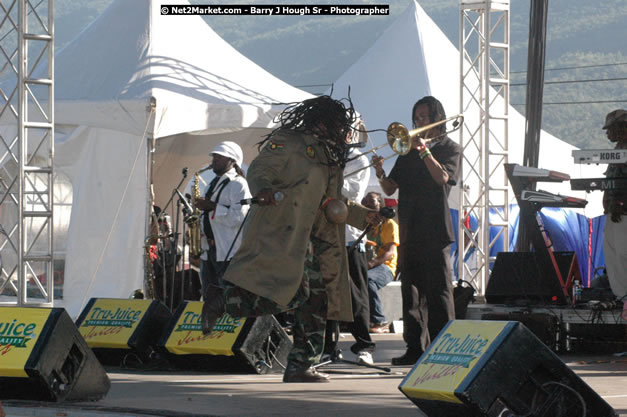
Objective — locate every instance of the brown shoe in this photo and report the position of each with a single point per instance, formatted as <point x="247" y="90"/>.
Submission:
<point x="380" y="328"/>
<point x="212" y="308"/>
<point x="299" y="373"/>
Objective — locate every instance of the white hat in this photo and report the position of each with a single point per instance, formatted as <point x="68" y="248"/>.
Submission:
<point x="230" y="150"/>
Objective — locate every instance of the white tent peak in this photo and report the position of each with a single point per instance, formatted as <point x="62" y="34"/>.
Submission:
<point x="132" y="52"/>
<point x="139" y="97"/>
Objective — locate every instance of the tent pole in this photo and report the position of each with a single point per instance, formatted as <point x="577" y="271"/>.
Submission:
<point x="150" y="149"/>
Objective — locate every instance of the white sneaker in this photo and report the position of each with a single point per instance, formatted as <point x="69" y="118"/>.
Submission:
<point x="365" y="358"/>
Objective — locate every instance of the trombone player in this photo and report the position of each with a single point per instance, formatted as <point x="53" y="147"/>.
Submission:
<point x="424" y="177"/>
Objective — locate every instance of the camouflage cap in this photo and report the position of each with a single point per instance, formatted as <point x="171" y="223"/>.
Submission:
<point x="619" y="115"/>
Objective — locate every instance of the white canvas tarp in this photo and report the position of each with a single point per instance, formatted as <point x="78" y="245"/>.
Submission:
<point x="132" y="76"/>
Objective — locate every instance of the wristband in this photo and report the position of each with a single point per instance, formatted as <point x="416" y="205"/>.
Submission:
<point x="425" y="153"/>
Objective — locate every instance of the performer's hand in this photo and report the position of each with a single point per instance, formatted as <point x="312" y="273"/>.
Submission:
<point x="205" y="204"/>
<point x="265" y="197"/>
<point x="377" y="163"/>
<point x="373" y="218"/>
<point x="417" y="142"/>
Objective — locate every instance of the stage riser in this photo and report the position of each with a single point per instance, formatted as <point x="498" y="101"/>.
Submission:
<point x="391" y="301"/>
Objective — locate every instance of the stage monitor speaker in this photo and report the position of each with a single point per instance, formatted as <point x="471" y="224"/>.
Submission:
<point x="114" y="327"/>
<point x="520" y="277"/>
<point x="44" y="358"/>
<point x="495" y="369"/>
<point x="252" y="344"/>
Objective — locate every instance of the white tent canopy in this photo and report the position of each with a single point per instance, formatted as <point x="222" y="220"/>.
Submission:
<point x="414" y="58"/>
<point x="132" y="76"/>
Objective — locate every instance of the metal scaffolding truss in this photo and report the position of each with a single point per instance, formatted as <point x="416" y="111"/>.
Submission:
<point x="26" y="152"/>
<point x="484" y="100"/>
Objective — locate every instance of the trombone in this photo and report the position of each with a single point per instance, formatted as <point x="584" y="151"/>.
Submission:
<point x="399" y="138"/>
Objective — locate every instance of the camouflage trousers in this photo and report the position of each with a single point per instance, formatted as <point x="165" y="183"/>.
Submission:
<point x="309" y="307"/>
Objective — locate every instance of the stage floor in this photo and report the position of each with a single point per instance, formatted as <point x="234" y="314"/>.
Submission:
<point x="353" y="391"/>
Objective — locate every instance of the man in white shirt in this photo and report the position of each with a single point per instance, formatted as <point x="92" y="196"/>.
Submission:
<point x="223" y="213"/>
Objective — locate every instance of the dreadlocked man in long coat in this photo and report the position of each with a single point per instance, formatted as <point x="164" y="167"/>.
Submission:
<point x="293" y="253"/>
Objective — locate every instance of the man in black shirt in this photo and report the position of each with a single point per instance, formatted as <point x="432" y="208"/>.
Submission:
<point x="615" y="208"/>
<point x="424" y="178"/>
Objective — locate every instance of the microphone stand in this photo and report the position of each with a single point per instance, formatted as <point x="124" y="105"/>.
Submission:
<point x="174" y="253"/>
<point x="181" y="206"/>
<point x="184" y="172"/>
<point x="336" y="355"/>
<point x="166" y="242"/>
<point x="386" y="212"/>
<point x="361" y="236"/>
<point x="175" y="235"/>
<point x="183" y="272"/>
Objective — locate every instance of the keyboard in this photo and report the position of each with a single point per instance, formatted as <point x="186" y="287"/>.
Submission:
<point x="600" y="156"/>
<point x="596" y="184"/>
<point x="547" y="199"/>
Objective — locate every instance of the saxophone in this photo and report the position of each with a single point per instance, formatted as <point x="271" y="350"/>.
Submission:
<point x="193" y="220"/>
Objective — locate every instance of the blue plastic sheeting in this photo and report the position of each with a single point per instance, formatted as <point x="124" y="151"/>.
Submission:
<point x="567" y="229"/>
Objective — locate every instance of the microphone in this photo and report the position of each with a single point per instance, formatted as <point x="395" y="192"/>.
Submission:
<point x="387" y="212"/>
<point x="185" y="171"/>
<point x="278" y="197"/>
<point x="356" y="145"/>
<point x="187" y="209"/>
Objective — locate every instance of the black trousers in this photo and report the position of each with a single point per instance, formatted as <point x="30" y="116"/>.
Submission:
<point x="427" y="294"/>
<point x="212" y="270"/>
<point x="359" y="328"/>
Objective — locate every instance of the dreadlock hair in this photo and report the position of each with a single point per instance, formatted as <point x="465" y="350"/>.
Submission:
<point x="239" y="170"/>
<point x="436" y="112"/>
<point x="323" y="116"/>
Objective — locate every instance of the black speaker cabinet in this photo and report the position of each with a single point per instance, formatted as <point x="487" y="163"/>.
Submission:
<point x="236" y="345"/>
<point x="545" y="326"/>
<point x="114" y="327"/>
<point x="521" y="277"/>
<point x="43" y="357"/>
<point x="495" y="369"/>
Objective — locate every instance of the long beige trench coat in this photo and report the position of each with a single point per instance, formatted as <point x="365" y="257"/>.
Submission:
<point x="270" y="261"/>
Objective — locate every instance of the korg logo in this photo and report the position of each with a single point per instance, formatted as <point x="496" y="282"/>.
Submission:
<point x="610" y="156"/>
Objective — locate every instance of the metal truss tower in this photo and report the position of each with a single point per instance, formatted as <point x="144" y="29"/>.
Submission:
<point x="484" y="101"/>
<point x="26" y="152"/>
